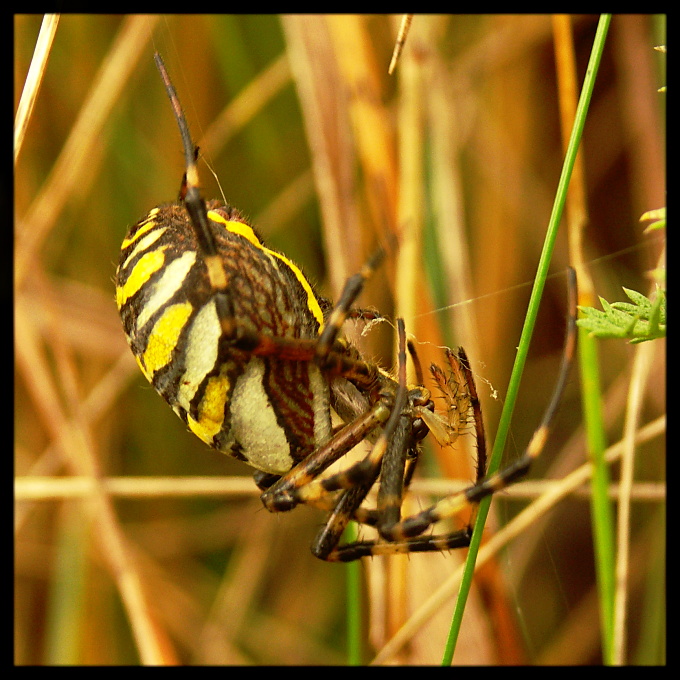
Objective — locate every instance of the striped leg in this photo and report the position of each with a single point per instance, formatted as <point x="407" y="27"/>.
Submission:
<point x="370" y="466"/>
<point x="301" y="484"/>
<point x="401" y="536"/>
<point x="452" y="505"/>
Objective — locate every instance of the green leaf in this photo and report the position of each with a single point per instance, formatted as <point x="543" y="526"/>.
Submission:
<point x="640" y="321"/>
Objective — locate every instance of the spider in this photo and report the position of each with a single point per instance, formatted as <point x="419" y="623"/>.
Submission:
<point x="236" y="340"/>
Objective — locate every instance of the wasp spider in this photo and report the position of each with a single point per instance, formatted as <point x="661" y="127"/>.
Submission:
<point x="251" y="358"/>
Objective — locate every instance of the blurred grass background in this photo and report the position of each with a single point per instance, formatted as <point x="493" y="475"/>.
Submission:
<point x="312" y="140"/>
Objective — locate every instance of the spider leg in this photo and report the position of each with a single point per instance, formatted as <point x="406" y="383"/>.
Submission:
<point x="480" y="434"/>
<point x="395" y="467"/>
<point x="190" y="193"/>
<point x="284" y="494"/>
<point x="387" y="458"/>
<point x="329" y="353"/>
<point x="450" y="506"/>
<point x="325" y="545"/>
<point x="369" y="467"/>
<point x="387" y="515"/>
<point x="390" y="496"/>
<point x="405" y="536"/>
<point x="359" y="549"/>
<point x="391" y="492"/>
<point x="343" y="307"/>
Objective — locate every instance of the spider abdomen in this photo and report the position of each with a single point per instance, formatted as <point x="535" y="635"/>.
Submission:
<point x="268" y="411"/>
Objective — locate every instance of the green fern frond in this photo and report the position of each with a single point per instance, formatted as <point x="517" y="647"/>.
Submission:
<point x="640" y="321"/>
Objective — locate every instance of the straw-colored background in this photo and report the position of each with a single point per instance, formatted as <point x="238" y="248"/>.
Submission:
<point x="471" y="121"/>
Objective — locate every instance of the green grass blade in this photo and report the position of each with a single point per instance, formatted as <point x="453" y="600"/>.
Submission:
<point x="529" y="323"/>
<point x="354" y="601"/>
<point x="601" y="506"/>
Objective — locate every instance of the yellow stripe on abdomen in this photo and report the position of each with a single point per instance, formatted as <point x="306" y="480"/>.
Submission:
<point x="146" y="266"/>
<point x="211" y="409"/>
<point x="164" y="336"/>
<point x="246" y="231"/>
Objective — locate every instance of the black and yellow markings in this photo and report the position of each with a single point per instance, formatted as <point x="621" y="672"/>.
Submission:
<point x="233" y="336"/>
<point x="259" y="408"/>
<point x="245" y="230"/>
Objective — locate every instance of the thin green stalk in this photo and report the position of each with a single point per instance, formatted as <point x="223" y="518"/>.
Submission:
<point x="354" y="600"/>
<point x="527" y="330"/>
<point x="601" y="507"/>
